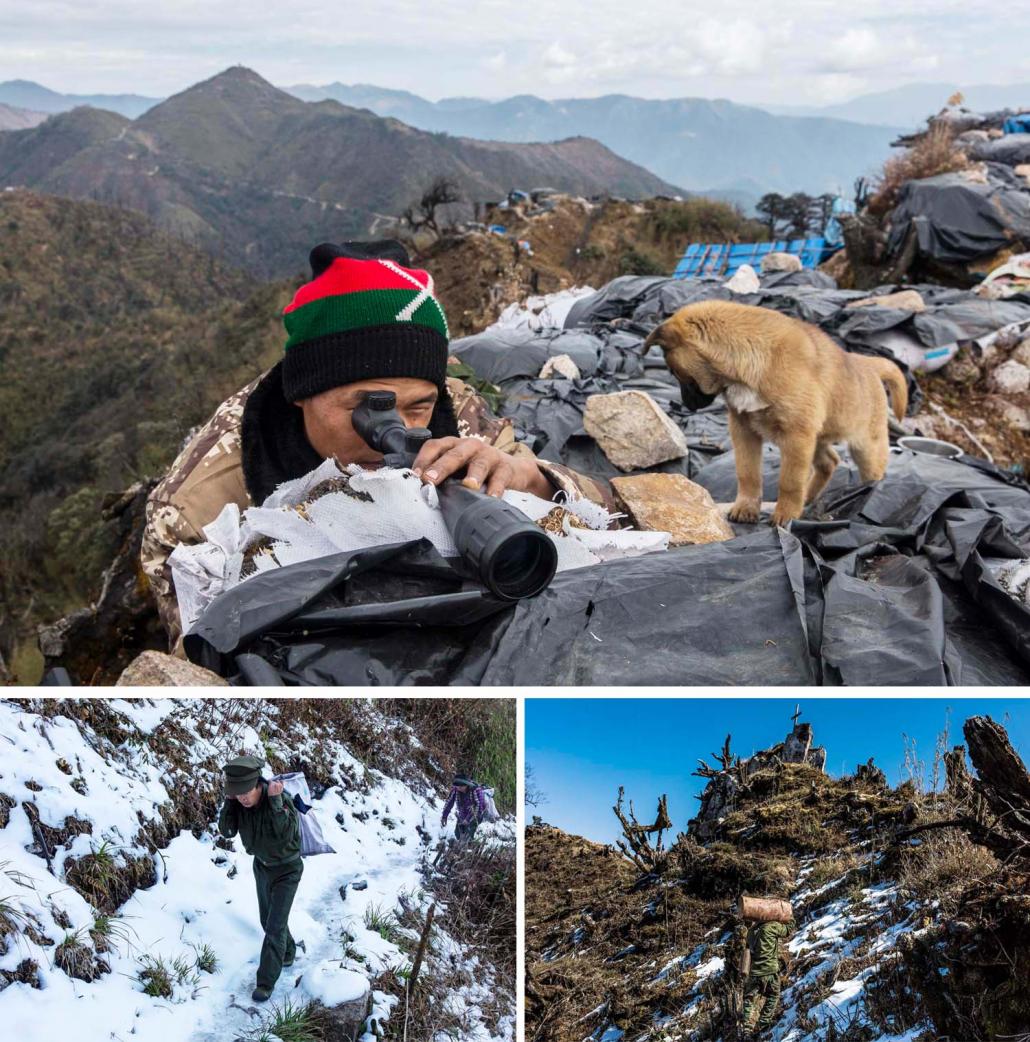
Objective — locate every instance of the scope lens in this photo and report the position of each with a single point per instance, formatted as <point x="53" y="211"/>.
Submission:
<point x="522" y="565"/>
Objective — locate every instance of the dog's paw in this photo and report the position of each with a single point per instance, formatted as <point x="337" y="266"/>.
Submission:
<point x="745" y="512"/>
<point x="781" y="518"/>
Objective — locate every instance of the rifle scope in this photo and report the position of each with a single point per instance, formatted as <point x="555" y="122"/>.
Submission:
<point x="512" y="557"/>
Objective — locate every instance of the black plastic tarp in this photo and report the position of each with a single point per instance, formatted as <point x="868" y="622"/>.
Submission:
<point x="958" y="220"/>
<point x="887" y="586"/>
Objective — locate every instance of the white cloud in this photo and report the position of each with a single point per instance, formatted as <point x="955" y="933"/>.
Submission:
<point x="747" y="50"/>
<point x="558" y="56"/>
<point x="858" y="48"/>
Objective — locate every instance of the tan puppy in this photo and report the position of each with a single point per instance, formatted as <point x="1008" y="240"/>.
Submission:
<point x="787" y="382"/>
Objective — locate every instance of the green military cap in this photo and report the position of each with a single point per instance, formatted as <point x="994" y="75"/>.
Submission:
<point x="242" y="774"/>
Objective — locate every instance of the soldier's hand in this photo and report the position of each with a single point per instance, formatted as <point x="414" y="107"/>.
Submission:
<point x="486" y="468"/>
<point x="275" y="788"/>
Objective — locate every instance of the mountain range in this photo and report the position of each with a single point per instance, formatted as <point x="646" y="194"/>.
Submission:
<point x="911" y="104"/>
<point x="706" y="146"/>
<point x="256" y="175"/>
<point x="14" y="118"/>
<point x="28" y="95"/>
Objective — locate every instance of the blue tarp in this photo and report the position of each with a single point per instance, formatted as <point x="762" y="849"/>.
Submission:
<point x="1017" y="124"/>
<point x="723" y="258"/>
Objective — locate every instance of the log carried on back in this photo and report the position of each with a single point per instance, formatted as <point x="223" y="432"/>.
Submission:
<point x="765" y="910"/>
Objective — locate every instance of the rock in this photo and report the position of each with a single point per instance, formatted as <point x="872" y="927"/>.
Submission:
<point x="345" y="1021"/>
<point x="781" y="261"/>
<point x="156" y="669"/>
<point x="632" y="430"/>
<point x="904" y="300"/>
<point x="797" y="744"/>
<point x="1010" y="377"/>
<point x="560" y="365"/>
<point x="672" y="503"/>
<point x="744" y="280"/>
<point x="95" y="644"/>
<point x="963" y="370"/>
<point x="1022" y="353"/>
<point x="1013" y="414"/>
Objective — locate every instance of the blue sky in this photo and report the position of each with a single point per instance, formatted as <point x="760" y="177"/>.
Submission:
<point x="808" y="52"/>
<point x="582" y="750"/>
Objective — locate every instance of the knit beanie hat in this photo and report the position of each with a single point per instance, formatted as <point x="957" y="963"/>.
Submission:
<point x="365" y="315"/>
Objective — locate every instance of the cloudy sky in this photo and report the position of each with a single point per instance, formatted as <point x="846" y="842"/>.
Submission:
<point x="753" y="51"/>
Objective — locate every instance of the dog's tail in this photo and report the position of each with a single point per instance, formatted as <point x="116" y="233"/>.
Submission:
<point x="654" y="337"/>
<point x="894" y="378"/>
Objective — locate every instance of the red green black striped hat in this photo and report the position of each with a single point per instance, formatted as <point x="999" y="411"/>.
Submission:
<point x="365" y="315"/>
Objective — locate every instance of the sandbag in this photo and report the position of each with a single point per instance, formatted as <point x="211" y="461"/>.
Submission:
<point x="311" y="840"/>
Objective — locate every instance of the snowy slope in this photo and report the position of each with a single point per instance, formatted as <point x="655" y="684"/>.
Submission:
<point x="383" y="833"/>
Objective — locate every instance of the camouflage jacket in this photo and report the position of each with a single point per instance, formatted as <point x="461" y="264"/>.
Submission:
<point x="764" y="940"/>
<point x="208" y="474"/>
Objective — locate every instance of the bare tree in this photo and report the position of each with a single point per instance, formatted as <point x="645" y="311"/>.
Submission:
<point x="535" y="796"/>
<point x="638" y="848"/>
<point x="442" y="192"/>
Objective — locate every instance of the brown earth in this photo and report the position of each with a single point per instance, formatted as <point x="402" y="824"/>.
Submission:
<point x="577" y="243"/>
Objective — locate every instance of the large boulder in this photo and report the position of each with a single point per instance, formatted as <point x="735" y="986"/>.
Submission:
<point x="672" y="503"/>
<point x="156" y="669"/>
<point x="780" y="261"/>
<point x="632" y="430"/>
<point x="346" y="998"/>
<point x="1010" y="377"/>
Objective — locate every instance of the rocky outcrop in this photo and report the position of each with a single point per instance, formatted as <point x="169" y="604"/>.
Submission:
<point x="632" y="430"/>
<point x="95" y="644"/>
<point x="157" y="669"/>
<point x="672" y="503"/>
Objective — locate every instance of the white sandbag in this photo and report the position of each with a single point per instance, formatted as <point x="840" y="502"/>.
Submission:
<point x="312" y="842"/>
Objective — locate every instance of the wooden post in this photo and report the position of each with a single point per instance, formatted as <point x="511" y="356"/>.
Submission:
<point x="420" y="953"/>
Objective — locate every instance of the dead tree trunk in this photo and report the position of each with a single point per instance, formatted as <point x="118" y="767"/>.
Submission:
<point x="637" y="847"/>
<point x="999" y="817"/>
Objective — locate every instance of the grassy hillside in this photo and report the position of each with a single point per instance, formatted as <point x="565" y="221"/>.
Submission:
<point x="910" y="927"/>
<point x="114" y="341"/>
<point x="257" y="176"/>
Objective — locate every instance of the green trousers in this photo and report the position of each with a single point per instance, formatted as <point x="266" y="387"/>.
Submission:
<point x="761" y="993"/>
<point x="276" y="888"/>
<point x="463" y="833"/>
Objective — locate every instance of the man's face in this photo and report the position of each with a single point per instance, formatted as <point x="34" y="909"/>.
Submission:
<point x="252" y="798"/>
<point x="327" y="416"/>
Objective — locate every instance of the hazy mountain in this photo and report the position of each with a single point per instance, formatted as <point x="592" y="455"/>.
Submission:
<point x="258" y="176"/>
<point x="697" y="143"/>
<point x="910" y="105"/>
<point x="12" y="118"/>
<point x="28" y="95"/>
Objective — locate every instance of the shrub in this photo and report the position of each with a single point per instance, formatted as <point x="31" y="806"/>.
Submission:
<point x="934" y="153"/>
<point x="155" y="977"/>
<point x="293" y="1023"/>
<point x="206" y="960"/>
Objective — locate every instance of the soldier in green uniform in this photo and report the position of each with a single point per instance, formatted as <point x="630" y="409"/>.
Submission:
<point x="270" y="830"/>
<point x="762" y="989"/>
